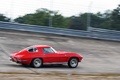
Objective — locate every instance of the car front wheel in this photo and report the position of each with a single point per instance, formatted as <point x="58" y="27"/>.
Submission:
<point x="36" y="63"/>
<point x="73" y="63"/>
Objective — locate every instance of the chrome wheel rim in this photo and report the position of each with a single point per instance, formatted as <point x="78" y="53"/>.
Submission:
<point x="73" y="62"/>
<point x="37" y="62"/>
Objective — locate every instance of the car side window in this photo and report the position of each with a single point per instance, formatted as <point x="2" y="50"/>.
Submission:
<point x="32" y="50"/>
<point x="48" y="50"/>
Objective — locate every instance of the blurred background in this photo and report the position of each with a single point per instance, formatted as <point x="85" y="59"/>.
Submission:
<point x="70" y="14"/>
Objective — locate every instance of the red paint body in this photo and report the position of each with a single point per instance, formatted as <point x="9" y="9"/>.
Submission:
<point x="26" y="56"/>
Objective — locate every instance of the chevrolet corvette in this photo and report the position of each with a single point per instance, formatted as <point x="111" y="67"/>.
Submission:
<point x="38" y="55"/>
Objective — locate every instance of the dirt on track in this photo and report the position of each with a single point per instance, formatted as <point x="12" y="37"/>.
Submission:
<point x="46" y="76"/>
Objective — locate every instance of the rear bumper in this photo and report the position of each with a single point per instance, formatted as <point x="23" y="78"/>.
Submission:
<point x="18" y="61"/>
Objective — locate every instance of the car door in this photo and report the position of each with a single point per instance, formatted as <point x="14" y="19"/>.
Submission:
<point x="50" y="56"/>
<point x="62" y="57"/>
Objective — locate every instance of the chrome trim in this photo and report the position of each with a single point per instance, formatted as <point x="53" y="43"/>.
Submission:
<point x="56" y="63"/>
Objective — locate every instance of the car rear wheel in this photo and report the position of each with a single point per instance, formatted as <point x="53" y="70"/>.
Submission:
<point x="73" y="63"/>
<point x="36" y="63"/>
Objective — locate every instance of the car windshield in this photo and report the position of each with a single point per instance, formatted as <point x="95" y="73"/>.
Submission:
<point x="49" y="50"/>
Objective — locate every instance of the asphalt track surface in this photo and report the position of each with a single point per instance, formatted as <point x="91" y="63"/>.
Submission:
<point x="99" y="56"/>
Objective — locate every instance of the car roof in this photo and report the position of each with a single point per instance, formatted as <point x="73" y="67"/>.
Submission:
<point x="41" y="46"/>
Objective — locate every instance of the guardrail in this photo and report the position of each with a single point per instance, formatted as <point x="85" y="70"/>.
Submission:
<point x="104" y="30"/>
<point x="96" y="34"/>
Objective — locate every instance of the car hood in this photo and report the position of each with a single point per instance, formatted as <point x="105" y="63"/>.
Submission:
<point x="70" y="54"/>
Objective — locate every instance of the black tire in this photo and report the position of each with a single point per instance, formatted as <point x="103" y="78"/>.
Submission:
<point x="73" y="63"/>
<point x="36" y="63"/>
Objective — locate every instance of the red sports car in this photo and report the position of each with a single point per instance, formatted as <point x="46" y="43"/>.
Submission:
<point x="38" y="55"/>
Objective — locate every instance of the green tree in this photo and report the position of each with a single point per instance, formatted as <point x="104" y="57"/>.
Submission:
<point x="76" y="23"/>
<point x="44" y="17"/>
<point x="40" y="17"/>
<point x="116" y="18"/>
<point x="60" y="21"/>
<point x="80" y="22"/>
<point x="4" y="18"/>
<point x="104" y="20"/>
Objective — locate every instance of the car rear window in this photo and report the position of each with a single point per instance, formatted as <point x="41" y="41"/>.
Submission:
<point x="32" y="50"/>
